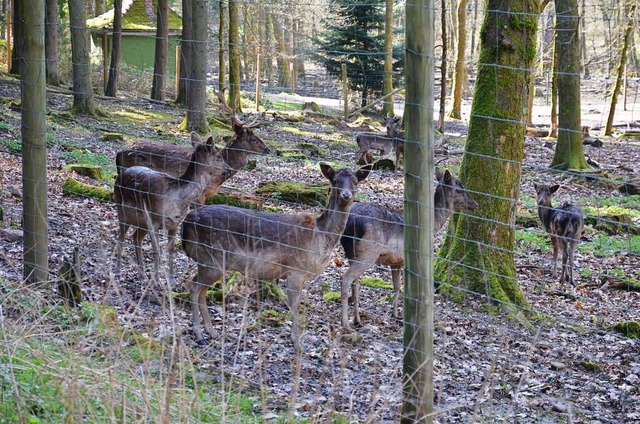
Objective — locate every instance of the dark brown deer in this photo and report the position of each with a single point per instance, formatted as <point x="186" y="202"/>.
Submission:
<point x="564" y="225"/>
<point x="150" y="201"/>
<point x="266" y="246"/>
<point x="174" y="159"/>
<point x="394" y="130"/>
<point x="374" y="235"/>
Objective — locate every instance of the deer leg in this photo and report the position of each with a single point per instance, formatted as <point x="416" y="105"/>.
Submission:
<point x="554" y="242"/>
<point x="351" y="279"/>
<point x="356" y="300"/>
<point x="294" y="294"/>
<point x="198" y="295"/>
<point x="157" y="253"/>
<point x="138" y="236"/>
<point x="395" y="278"/>
<point x="571" y="252"/>
<point x="122" y="232"/>
<point x="171" y="252"/>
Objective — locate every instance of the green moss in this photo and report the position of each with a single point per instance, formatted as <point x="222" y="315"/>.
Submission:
<point x="603" y="246"/>
<point x="532" y="240"/>
<point x="75" y="188"/>
<point x="376" y="283"/>
<point x="630" y="329"/>
<point x="231" y="200"/>
<point x="112" y="136"/>
<point x="332" y="296"/>
<point x="87" y="170"/>
<point x="313" y="194"/>
<point x="86" y="157"/>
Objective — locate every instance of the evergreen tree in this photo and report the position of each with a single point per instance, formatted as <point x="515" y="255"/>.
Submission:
<point x="354" y="35"/>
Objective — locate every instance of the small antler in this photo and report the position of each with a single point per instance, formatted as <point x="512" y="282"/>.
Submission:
<point x="230" y="114"/>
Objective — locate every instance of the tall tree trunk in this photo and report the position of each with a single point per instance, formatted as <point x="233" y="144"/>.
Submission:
<point x="17" y="51"/>
<point x="51" y="42"/>
<point x="162" y="52"/>
<point x="34" y="147"/>
<point x="185" y="52"/>
<point x="620" y="70"/>
<point x="197" y="91"/>
<point x="234" y="57"/>
<point x="387" y="108"/>
<point x="460" y="74"/>
<point x="222" y="45"/>
<point x="116" y="42"/>
<point x="99" y="7"/>
<point x="283" y="63"/>
<point x="553" y="132"/>
<point x="583" y="42"/>
<point x="569" y="151"/>
<point x="267" y="47"/>
<point x="443" y="67"/>
<point x="478" y="253"/>
<point x="83" y="101"/>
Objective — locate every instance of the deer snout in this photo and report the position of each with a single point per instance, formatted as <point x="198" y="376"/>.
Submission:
<point x="346" y="195"/>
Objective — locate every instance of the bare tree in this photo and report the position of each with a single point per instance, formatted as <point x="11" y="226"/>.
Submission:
<point x="51" y="42"/>
<point x="162" y="51"/>
<point x="460" y="74"/>
<point x="387" y="88"/>
<point x="234" y="56"/>
<point x="186" y="44"/>
<point x="196" y="92"/>
<point x="116" y="42"/>
<point x="222" y="45"/>
<point x="83" y="101"/>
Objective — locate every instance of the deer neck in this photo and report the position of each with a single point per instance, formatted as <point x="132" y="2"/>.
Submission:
<point x="333" y="219"/>
<point x="196" y="178"/>
<point x="545" y="213"/>
<point x="443" y="207"/>
<point x="234" y="156"/>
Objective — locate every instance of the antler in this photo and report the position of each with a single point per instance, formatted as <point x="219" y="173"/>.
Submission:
<point x="230" y="114"/>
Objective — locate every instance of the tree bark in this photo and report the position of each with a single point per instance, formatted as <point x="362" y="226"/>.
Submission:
<point x="162" y="52"/>
<point x="17" y="51"/>
<point x="387" y="88"/>
<point x="34" y="147"/>
<point x="51" y="42"/>
<point x="185" y="52"/>
<point x="281" y="55"/>
<point x="83" y="101"/>
<point x="569" y="151"/>
<point x="443" y="67"/>
<point x="553" y="131"/>
<point x="196" y="94"/>
<point x="460" y="74"/>
<point x="417" y="369"/>
<point x="116" y="42"/>
<point x="234" y="57"/>
<point x="620" y="70"/>
<point x="222" y="45"/>
<point x="478" y="252"/>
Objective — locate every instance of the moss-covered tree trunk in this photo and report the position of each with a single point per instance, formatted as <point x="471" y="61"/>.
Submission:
<point x="387" y="108"/>
<point x="478" y="252"/>
<point x="569" y="153"/>
<point x="620" y="70"/>
<point x="234" y="56"/>
<point x="83" y="101"/>
<point x="460" y="73"/>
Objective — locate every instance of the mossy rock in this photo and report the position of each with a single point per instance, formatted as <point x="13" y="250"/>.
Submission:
<point x="75" y="188"/>
<point x="112" y="136"/>
<point x="332" y="296"/>
<point x="384" y="164"/>
<point x="309" y="149"/>
<point x="312" y="106"/>
<point x="87" y="170"/>
<point x="630" y="187"/>
<point x="291" y="154"/>
<point x="611" y="220"/>
<point x="376" y="283"/>
<point x="630" y="329"/>
<point x="527" y="219"/>
<point x="237" y="200"/>
<point x="313" y="194"/>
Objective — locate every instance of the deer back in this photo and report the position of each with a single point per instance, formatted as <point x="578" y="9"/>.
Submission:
<point x="169" y="158"/>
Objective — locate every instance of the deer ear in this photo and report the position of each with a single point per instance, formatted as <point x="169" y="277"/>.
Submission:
<point x="195" y="138"/>
<point x="363" y="172"/>
<point x="439" y="174"/>
<point x="210" y="140"/>
<point x="327" y="171"/>
<point x="447" y="178"/>
<point x="554" y="188"/>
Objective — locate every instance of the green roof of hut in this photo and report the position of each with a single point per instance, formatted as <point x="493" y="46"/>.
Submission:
<point x="137" y="16"/>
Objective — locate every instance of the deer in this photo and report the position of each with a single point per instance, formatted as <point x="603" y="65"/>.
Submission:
<point x="266" y="246"/>
<point x="151" y="201"/>
<point x="564" y="225"/>
<point x="383" y="143"/>
<point x="374" y="236"/>
<point x="174" y="159"/>
<point x="394" y="131"/>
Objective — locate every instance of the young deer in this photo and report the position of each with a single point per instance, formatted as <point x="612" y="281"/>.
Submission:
<point x="174" y="160"/>
<point x="394" y="131"/>
<point x="374" y="235"/>
<point x="150" y="201"/>
<point x="564" y="225"/>
<point x="266" y="246"/>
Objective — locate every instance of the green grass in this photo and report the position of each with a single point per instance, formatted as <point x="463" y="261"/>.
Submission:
<point x="91" y="158"/>
<point x="82" y="365"/>
<point x="602" y="246"/>
<point x="627" y="202"/>
<point x="532" y="239"/>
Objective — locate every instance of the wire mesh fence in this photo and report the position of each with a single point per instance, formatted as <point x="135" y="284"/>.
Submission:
<point x="512" y="342"/>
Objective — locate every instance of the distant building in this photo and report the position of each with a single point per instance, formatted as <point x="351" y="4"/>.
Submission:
<point x="138" y="34"/>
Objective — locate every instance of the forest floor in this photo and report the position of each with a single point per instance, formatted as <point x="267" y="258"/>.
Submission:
<point x="567" y="366"/>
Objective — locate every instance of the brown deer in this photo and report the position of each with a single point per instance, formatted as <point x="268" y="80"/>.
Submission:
<point x="374" y="235"/>
<point x="380" y="142"/>
<point x="174" y="159"/>
<point x="150" y="201"/>
<point x="266" y="246"/>
<point x="394" y="130"/>
<point x="564" y="225"/>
